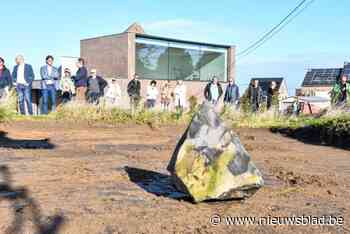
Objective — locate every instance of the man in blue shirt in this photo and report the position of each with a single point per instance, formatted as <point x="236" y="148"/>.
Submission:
<point x="49" y="74"/>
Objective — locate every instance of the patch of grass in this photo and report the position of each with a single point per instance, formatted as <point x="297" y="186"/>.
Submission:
<point x="92" y="113"/>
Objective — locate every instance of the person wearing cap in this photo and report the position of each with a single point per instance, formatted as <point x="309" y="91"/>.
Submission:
<point x="49" y="74"/>
<point x="67" y="86"/>
<point x="81" y="79"/>
<point x="113" y="94"/>
<point x="22" y="77"/>
<point x="5" y="80"/>
<point x="95" y="87"/>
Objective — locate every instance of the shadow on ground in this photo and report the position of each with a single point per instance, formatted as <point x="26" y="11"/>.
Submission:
<point x="155" y="183"/>
<point x="6" y="142"/>
<point x="23" y="205"/>
<point x="316" y="136"/>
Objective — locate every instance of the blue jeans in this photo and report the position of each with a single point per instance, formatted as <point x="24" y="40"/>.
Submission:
<point x="24" y="95"/>
<point x="48" y="92"/>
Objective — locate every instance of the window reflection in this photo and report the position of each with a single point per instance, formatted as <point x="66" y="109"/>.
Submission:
<point x="157" y="59"/>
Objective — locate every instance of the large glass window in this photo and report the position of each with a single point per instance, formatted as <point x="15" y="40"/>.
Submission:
<point x="157" y="59"/>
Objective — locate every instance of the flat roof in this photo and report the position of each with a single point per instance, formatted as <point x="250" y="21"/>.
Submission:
<point x="182" y="41"/>
<point x="162" y="38"/>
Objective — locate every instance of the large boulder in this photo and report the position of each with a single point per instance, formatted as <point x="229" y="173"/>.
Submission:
<point x="210" y="163"/>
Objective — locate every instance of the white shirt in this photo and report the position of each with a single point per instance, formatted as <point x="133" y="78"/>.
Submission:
<point x="20" y="75"/>
<point x="152" y="93"/>
<point x="49" y="70"/>
<point x="113" y="91"/>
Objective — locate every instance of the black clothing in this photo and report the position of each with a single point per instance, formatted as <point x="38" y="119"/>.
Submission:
<point x="207" y="92"/>
<point x="134" y="88"/>
<point x="255" y="96"/>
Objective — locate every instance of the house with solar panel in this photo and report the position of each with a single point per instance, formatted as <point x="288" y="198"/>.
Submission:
<point x="319" y="82"/>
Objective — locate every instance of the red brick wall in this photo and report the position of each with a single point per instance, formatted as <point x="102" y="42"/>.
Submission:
<point x="109" y="55"/>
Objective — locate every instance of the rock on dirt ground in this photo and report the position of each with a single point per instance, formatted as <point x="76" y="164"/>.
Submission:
<point x="113" y="179"/>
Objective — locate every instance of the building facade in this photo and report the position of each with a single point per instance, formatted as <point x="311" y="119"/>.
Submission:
<point x="157" y="58"/>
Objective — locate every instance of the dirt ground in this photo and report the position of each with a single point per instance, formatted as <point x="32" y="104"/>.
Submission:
<point x="113" y="179"/>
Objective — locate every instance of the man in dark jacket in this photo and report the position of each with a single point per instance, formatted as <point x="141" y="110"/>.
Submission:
<point x="80" y="79"/>
<point x="255" y="95"/>
<point x="23" y="76"/>
<point x="5" y="79"/>
<point x="95" y="87"/>
<point x="213" y="91"/>
<point x="232" y="94"/>
<point x="134" y="92"/>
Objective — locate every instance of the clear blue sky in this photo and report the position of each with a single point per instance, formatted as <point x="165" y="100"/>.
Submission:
<point x="319" y="37"/>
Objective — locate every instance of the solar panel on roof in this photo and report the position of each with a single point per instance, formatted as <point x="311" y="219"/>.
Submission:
<point x="318" y="77"/>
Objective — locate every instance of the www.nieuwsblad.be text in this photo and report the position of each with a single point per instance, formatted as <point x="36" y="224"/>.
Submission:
<point x="273" y="220"/>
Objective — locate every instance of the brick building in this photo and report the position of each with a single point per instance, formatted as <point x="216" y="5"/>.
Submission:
<point x="133" y="51"/>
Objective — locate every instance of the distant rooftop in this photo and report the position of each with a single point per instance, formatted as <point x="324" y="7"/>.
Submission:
<point x="325" y="76"/>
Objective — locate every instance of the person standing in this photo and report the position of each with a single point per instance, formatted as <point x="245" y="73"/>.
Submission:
<point x="180" y="95"/>
<point x="49" y="74"/>
<point x="231" y="96"/>
<point x="213" y="91"/>
<point x="114" y="93"/>
<point x="95" y="87"/>
<point x="272" y="94"/>
<point x="5" y="80"/>
<point x="340" y="93"/>
<point x="67" y="86"/>
<point x="152" y="95"/>
<point x="80" y="79"/>
<point x="255" y="95"/>
<point x="165" y="96"/>
<point x="134" y="92"/>
<point x="23" y="76"/>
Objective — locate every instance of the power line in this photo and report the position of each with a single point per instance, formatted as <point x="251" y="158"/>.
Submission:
<point x="278" y="30"/>
<point x="284" y="22"/>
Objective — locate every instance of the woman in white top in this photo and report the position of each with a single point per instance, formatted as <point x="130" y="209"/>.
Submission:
<point x="113" y="93"/>
<point x="180" y="95"/>
<point x="152" y="94"/>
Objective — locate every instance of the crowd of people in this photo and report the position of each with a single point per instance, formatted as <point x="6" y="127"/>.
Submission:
<point x="82" y="86"/>
<point x="85" y="86"/>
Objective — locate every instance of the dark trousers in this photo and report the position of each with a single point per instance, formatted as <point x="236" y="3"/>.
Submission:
<point x="93" y="98"/>
<point x="48" y="92"/>
<point x="151" y="103"/>
<point x="24" y="94"/>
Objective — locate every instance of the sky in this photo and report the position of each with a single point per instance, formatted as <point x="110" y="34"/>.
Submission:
<point x="318" y="37"/>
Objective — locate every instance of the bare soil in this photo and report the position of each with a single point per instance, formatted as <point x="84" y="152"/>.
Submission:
<point x="113" y="179"/>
